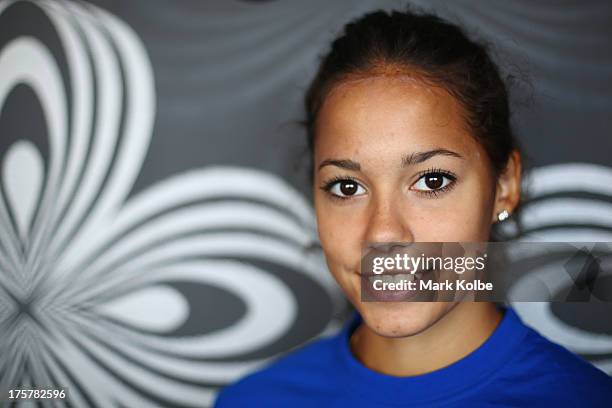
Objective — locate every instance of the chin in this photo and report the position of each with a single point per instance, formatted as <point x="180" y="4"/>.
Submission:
<point x="402" y="319"/>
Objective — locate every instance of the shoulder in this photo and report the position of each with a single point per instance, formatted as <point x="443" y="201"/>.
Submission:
<point x="299" y="371"/>
<point x="556" y="369"/>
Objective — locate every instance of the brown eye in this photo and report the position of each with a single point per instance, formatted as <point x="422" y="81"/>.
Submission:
<point x="348" y="187"/>
<point x="345" y="188"/>
<point x="434" y="181"/>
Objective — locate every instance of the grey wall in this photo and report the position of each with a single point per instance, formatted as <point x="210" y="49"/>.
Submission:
<point x="151" y="155"/>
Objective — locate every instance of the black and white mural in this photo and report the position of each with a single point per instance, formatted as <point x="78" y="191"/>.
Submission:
<point x="151" y="154"/>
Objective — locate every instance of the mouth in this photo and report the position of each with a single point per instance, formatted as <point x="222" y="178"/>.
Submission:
<point x="397" y="276"/>
<point x="394" y="286"/>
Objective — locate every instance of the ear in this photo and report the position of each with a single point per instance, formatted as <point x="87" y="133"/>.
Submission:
<point x="508" y="189"/>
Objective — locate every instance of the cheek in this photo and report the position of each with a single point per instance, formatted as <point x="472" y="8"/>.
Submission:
<point x="339" y="233"/>
<point x="464" y="223"/>
<point x="463" y="216"/>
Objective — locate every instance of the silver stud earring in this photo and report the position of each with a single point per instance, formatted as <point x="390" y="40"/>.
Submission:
<point x="503" y="215"/>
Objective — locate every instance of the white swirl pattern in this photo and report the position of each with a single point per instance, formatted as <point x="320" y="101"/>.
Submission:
<point x="80" y="260"/>
<point x="569" y="202"/>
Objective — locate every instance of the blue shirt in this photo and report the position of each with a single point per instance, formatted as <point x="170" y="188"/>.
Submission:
<point x="514" y="367"/>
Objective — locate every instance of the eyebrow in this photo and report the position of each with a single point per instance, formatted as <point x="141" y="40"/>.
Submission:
<point x="420" y="157"/>
<point x="344" y="163"/>
<point x="408" y="160"/>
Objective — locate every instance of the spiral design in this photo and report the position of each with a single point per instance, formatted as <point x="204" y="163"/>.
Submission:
<point x="569" y="202"/>
<point x="155" y="299"/>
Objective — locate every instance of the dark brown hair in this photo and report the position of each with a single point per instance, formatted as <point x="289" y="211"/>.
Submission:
<point x="435" y="51"/>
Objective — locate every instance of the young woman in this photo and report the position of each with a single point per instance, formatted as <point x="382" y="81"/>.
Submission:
<point x="408" y="121"/>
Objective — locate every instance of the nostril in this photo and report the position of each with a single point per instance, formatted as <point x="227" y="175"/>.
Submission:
<point x="387" y="247"/>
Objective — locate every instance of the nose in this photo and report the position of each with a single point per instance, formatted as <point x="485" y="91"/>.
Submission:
<point x="388" y="222"/>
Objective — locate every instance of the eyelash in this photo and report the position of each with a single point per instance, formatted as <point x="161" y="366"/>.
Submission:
<point x="435" y="193"/>
<point x="327" y="186"/>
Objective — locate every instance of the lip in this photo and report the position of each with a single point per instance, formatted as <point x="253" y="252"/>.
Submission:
<point x="419" y="273"/>
<point x="369" y="294"/>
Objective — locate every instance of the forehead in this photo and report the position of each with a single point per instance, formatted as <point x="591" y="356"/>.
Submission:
<point x="398" y="111"/>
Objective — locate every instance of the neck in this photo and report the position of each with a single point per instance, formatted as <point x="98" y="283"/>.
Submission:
<point x="461" y="331"/>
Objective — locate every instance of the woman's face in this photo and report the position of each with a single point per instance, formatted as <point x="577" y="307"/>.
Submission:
<point x="395" y="162"/>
